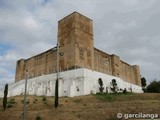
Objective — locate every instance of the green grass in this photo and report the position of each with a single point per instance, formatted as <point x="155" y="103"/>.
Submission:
<point x="112" y="96"/>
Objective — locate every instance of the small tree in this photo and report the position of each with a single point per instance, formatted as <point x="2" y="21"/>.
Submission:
<point x="143" y="83"/>
<point x="56" y="94"/>
<point x="124" y="91"/>
<point x="101" y="88"/>
<point x="5" y="97"/>
<point x="114" y="85"/>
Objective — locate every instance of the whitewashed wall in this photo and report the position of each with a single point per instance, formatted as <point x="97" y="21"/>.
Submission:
<point x="71" y="83"/>
<point x="91" y="82"/>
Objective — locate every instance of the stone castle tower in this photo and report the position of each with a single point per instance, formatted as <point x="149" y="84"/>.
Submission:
<point x="75" y="37"/>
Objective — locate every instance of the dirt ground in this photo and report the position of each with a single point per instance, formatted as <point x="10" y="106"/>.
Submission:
<point x="90" y="107"/>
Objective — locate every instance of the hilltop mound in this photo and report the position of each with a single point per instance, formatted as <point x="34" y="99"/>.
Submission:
<point x="91" y="107"/>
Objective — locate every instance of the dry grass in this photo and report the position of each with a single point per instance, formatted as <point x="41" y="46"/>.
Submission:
<point x="91" y="107"/>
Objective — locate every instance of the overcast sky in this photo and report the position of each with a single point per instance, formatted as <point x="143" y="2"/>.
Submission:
<point x="127" y="28"/>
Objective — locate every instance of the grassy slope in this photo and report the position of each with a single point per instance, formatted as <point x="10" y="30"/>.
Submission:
<point x="92" y="107"/>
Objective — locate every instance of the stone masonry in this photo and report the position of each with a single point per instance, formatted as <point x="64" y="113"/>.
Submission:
<point x="75" y="36"/>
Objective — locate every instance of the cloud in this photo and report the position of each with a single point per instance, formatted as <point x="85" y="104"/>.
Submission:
<point x="7" y="67"/>
<point x="131" y="2"/>
<point x="31" y="24"/>
<point x="128" y="28"/>
<point x="121" y="26"/>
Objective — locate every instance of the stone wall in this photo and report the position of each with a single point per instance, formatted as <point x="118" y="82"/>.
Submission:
<point x="112" y="65"/>
<point x="44" y="63"/>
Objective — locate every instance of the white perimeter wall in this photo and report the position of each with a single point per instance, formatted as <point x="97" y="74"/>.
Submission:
<point x="71" y="83"/>
<point x="91" y="82"/>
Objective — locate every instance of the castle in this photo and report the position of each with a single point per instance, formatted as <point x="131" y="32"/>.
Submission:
<point x="80" y="65"/>
<point x="75" y="36"/>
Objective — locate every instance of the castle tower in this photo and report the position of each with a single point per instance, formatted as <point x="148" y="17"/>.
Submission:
<point x="75" y="36"/>
<point x="137" y="75"/>
<point x="20" y="70"/>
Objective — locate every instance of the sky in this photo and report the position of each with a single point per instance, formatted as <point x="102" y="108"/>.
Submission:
<point x="127" y="28"/>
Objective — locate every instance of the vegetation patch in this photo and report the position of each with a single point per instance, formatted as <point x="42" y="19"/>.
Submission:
<point x="38" y="117"/>
<point x="22" y="101"/>
<point x="35" y="100"/>
<point x="10" y="105"/>
<point x="27" y="102"/>
<point x="77" y="100"/>
<point x="90" y="107"/>
<point x="111" y="97"/>
<point x="11" y="102"/>
<point x="44" y="99"/>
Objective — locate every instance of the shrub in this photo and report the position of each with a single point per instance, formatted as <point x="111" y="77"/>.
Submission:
<point x="124" y="91"/>
<point x="38" y="117"/>
<point x="84" y="104"/>
<point x="101" y="88"/>
<point x="143" y="83"/>
<point x="12" y="101"/>
<point x="35" y="100"/>
<point x="27" y="102"/>
<point x="44" y="98"/>
<point x="22" y="101"/>
<point x="9" y="105"/>
<point x="114" y="85"/>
